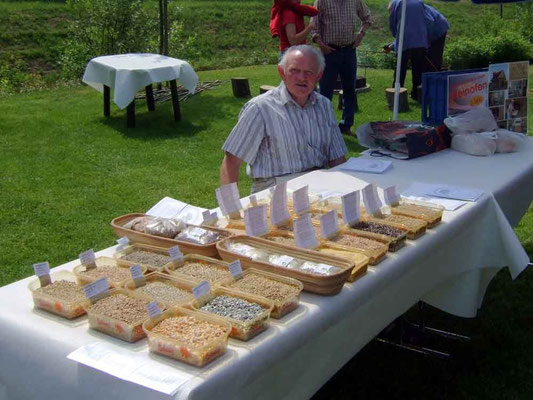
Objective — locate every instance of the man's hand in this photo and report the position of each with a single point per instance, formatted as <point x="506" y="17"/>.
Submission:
<point x="358" y="39"/>
<point x="324" y="47"/>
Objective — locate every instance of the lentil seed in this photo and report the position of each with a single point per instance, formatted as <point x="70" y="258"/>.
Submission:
<point x="121" y="307"/>
<point x="63" y="290"/>
<point x="189" y="329"/>
<point x="146" y="257"/>
<point x="233" y="307"/>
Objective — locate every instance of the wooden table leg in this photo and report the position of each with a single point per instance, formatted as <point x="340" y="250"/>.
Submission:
<point x="107" y="92"/>
<point x="130" y="121"/>
<point x="175" y="100"/>
<point x="150" y="97"/>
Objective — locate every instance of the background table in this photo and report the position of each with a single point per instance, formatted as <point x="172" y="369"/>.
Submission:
<point x="449" y="267"/>
<point x="128" y="73"/>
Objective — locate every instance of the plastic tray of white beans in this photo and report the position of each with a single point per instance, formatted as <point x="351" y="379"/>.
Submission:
<point x="187" y="335"/>
<point x="152" y="257"/>
<point x="247" y="314"/>
<point x="106" y="267"/>
<point x="119" y="313"/>
<point x="64" y="296"/>
<point x="284" y="292"/>
<point x="169" y="290"/>
<point x="199" y="268"/>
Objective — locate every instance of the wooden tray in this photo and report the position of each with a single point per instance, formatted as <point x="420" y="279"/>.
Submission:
<point x="325" y="285"/>
<point x="427" y="212"/>
<point x="208" y="250"/>
<point x="414" y="227"/>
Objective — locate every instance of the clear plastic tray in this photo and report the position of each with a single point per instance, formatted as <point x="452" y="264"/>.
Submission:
<point x="281" y="306"/>
<point x="179" y="283"/>
<point x="430" y="213"/>
<point x="84" y="279"/>
<point x="173" y="269"/>
<point x="141" y="247"/>
<point x="115" y="327"/>
<point x="242" y="330"/>
<point x="53" y="304"/>
<point x="197" y="355"/>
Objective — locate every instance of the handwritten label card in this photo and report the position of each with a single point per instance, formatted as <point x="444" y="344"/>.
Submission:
<point x="153" y="309"/>
<point x="137" y="275"/>
<point x="96" y="289"/>
<point x="122" y="242"/>
<point x="228" y="200"/>
<point x="42" y="270"/>
<point x="329" y="224"/>
<point x="391" y="196"/>
<point x="300" y="199"/>
<point x="88" y="259"/>
<point x="350" y="208"/>
<point x="304" y="232"/>
<point x="175" y="253"/>
<point x="255" y="220"/>
<point x="201" y="290"/>
<point x="235" y="269"/>
<point x="372" y="202"/>
<point x="279" y="213"/>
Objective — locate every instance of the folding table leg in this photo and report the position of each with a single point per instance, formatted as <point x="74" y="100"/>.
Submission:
<point x="150" y="97"/>
<point x="175" y="100"/>
<point x="106" y="101"/>
<point x="130" y="115"/>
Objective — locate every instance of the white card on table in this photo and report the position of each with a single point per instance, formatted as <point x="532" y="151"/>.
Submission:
<point x="255" y="220"/>
<point x="329" y="224"/>
<point x="279" y="213"/>
<point x="153" y="309"/>
<point x="304" y="232"/>
<point x="96" y="289"/>
<point x="416" y="191"/>
<point x="391" y="196"/>
<point x="300" y="200"/>
<point x="366" y="165"/>
<point x="201" y="290"/>
<point x="235" y="269"/>
<point x="175" y="253"/>
<point x="455" y="192"/>
<point x="372" y="202"/>
<point x="350" y="208"/>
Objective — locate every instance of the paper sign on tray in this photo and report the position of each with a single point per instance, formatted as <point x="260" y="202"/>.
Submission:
<point x="228" y="200"/>
<point x="201" y="290"/>
<point x="279" y="213"/>
<point x="329" y="224"/>
<point x="96" y="289"/>
<point x="153" y="309"/>
<point x="88" y="259"/>
<point x="372" y="202"/>
<point x="391" y="196"/>
<point x="175" y="253"/>
<point x="300" y="199"/>
<point x="122" y="242"/>
<point x="255" y="220"/>
<point x="235" y="269"/>
<point x="304" y="232"/>
<point x="42" y="270"/>
<point x="350" y="208"/>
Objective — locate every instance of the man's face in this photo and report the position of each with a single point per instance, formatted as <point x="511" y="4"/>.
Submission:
<point x="300" y="76"/>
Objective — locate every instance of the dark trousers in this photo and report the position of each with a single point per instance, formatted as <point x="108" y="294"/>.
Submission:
<point x="418" y="66"/>
<point x="343" y="62"/>
<point x="435" y="52"/>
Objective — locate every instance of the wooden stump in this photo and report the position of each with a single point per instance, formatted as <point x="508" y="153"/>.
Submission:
<point x="403" y="104"/>
<point x="265" y="88"/>
<point x="241" y="87"/>
<point x="360" y="82"/>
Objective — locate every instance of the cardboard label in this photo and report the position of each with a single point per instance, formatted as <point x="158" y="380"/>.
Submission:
<point x="175" y="253"/>
<point x="42" y="270"/>
<point x="255" y="220"/>
<point x="391" y="197"/>
<point x="137" y="275"/>
<point x="88" y="259"/>
<point x="201" y="290"/>
<point x="279" y="213"/>
<point x="329" y="224"/>
<point x="229" y="200"/>
<point x="153" y="309"/>
<point x="235" y="268"/>
<point x="304" y="233"/>
<point x="300" y="199"/>
<point x="351" y="212"/>
<point x="372" y="203"/>
<point x="96" y="289"/>
<point x="122" y="242"/>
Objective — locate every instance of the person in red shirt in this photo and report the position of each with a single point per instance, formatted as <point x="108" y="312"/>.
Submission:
<point x="287" y="22"/>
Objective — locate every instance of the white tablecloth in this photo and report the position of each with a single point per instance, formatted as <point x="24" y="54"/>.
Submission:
<point x="128" y="73"/>
<point x="449" y="267"/>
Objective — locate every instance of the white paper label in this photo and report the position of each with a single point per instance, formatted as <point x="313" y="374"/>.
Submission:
<point x="201" y="289"/>
<point x="255" y="220"/>
<point x="391" y="197"/>
<point x="96" y="288"/>
<point x="136" y="272"/>
<point x="279" y="213"/>
<point x="122" y="242"/>
<point x="350" y="208"/>
<point x="153" y="309"/>
<point x="206" y="214"/>
<point x="300" y="199"/>
<point x="175" y="253"/>
<point x="329" y="224"/>
<point x="87" y="257"/>
<point x="304" y="233"/>
<point x="371" y="200"/>
<point x="235" y="268"/>
<point x="228" y="198"/>
<point x="208" y="217"/>
<point x="41" y="269"/>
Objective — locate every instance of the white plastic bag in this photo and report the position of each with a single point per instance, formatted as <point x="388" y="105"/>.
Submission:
<point x="509" y="141"/>
<point x="364" y="137"/>
<point x="477" y="120"/>
<point x="477" y="144"/>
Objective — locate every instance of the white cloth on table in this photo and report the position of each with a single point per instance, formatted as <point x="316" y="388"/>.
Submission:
<point x="128" y="73"/>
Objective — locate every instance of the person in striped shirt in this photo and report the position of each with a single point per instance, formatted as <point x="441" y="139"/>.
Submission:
<point x="287" y="131"/>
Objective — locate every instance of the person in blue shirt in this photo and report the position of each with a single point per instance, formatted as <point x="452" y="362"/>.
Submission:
<point x="415" y="40"/>
<point x="437" y="27"/>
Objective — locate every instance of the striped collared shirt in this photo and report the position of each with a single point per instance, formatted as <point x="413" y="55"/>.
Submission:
<point x="336" y="20"/>
<point x="276" y="136"/>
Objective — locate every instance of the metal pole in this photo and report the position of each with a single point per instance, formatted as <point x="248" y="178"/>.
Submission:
<point x="399" y="63"/>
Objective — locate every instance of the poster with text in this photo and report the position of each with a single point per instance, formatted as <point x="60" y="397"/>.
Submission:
<point x="467" y="91"/>
<point x="508" y="91"/>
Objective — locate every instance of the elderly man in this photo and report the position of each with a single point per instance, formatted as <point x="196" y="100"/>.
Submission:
<point x="287" y="131"/>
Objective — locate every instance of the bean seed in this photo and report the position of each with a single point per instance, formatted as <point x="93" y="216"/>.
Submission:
<point x="233" y="307"/>
<point x="63" y="290"/>
<point x="121" y="307"/>
<point x="190" y="330"/>
<point x="146" y="257"/>
<point x="210" y="272"/>
<point x="266" y="287"/>
<point x="163" y="292"/>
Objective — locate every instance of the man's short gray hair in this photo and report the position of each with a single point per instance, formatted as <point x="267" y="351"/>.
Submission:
<point x="306" y="50"/>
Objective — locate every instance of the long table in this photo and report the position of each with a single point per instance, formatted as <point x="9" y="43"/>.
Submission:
<point x="449" y="267"/>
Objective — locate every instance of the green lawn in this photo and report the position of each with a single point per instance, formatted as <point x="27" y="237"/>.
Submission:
<point x="66" y="171"/>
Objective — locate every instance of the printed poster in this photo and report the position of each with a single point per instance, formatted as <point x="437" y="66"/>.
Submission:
<point x="467" y="91"/>
<point x="508" y="84"/>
